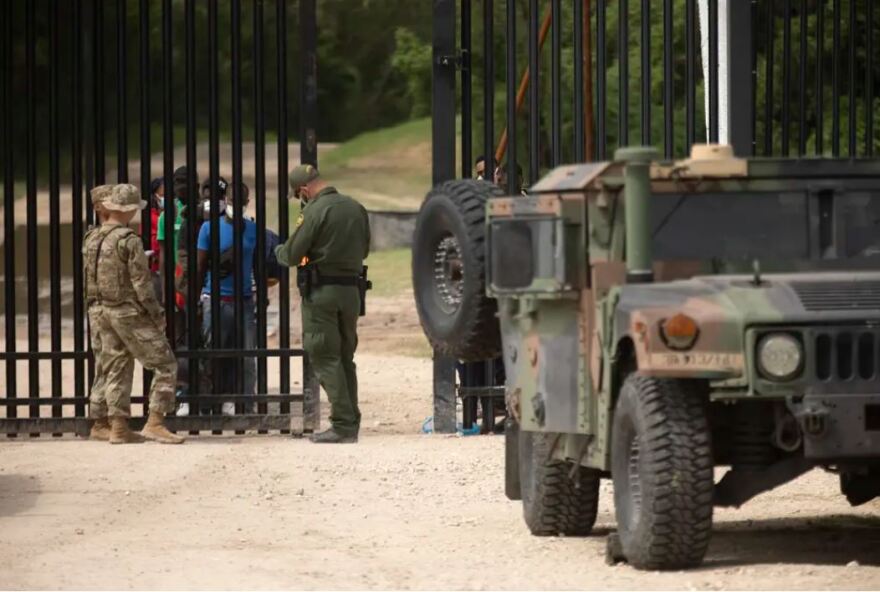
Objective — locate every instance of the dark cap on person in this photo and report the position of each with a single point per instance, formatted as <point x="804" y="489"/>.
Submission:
<point x="222" y="184"/>
<point x="302" y="175"/>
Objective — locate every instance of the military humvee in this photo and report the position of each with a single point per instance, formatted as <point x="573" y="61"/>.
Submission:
<point x="659" y="319"/>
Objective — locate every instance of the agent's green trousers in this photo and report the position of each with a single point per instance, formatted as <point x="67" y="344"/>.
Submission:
<point x="329" y="317"/>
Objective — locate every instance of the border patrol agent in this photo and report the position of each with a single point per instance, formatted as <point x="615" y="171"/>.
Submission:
<point x="329" y="245"/>
<point x="128" y="319"/>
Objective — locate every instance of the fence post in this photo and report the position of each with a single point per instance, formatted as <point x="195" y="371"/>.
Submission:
<point x="443" y="167"/>
<point x="308" y="154"/>
<point x="739" y="56"/>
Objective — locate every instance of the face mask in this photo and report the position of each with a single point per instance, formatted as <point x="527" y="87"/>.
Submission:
<point x="161" y="202"/>
<point x="230" y="211"/>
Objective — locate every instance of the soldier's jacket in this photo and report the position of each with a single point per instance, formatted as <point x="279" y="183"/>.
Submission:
<point x="333" y="231"/>
<point x="116" y="270"/>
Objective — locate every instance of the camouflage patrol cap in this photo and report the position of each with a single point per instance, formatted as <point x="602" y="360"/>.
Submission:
<point x="124" y="198"/>
<point x="99" y="194"/>
<point x="302" y="175"/>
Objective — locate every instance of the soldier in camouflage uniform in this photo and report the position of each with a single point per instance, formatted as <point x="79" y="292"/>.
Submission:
<point x="128" y="320"/>
<point x="97" y="401"/>
<point x="333" y="235"/>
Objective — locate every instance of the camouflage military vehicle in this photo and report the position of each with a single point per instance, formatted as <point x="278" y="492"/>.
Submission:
<point x="659" y="319"/>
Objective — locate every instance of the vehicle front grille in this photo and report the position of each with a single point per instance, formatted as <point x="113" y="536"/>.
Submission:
<point x="828" y="296"/>
<point x="846" y="354"/>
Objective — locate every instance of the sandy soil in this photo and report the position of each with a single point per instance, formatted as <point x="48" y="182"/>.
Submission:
<point x="398" y="510"/>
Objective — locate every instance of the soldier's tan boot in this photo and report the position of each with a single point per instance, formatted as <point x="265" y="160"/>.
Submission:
<point x="120" y="433"/>
<point x="100" y="430"/>
<point x="156" y="431"/>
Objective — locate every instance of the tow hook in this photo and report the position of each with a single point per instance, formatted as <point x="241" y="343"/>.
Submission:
<point x="814" y="421"/>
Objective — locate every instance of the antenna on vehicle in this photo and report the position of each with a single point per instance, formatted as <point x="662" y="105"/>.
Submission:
<point x="756" y="270"/>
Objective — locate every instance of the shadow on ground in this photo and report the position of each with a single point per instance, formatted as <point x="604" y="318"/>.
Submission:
<point x="818" y="540"/>
<point x="18" y="493"/>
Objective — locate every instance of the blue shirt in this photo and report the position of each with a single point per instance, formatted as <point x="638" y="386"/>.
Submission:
<point x="249" y="243"/>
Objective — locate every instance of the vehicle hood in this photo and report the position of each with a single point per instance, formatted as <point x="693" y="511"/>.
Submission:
<point x="724" y="306"/>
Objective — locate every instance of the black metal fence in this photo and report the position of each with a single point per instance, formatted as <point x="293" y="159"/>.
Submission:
<point x="771" y="77"/>
<point x="95" y="74"/>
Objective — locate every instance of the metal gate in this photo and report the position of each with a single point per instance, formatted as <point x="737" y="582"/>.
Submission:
<point x="786" y="78"/>
<point x="89" y="89"/>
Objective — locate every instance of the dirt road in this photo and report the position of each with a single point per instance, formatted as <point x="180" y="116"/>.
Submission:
<point x="398" y="510"/>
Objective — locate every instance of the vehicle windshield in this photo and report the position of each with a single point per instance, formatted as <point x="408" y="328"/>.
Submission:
<point x="783" y="231"/>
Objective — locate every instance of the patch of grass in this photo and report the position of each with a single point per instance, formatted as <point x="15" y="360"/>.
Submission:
<point x="385" y="169"/>
<point x="390" y="272"/>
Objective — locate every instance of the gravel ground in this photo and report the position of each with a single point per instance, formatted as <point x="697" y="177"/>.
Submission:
<point x="397" y="510"/>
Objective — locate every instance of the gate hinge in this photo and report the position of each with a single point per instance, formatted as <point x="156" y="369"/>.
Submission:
<point x="459" y="61"/>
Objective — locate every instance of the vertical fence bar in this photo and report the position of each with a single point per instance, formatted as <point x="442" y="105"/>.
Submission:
<point x="851" y="89"/>
<point x="802" y="82"/>
<point x="86" y="34"/>
<point x="668" y="81"/>
<point x="98" y="92"/>
<point x="741" y="76"/>
<point x="786" y="76"/>
<point x="442" y="169"/>
<point x="534" y="101"/>
<point x="309" y="154"/>
<point x="511" y="98"/>
<point x="835" y="81"/>
<point x="820" y="83"/>
<point x="601" y="78"/>
<point x="76" y="108"/>
<point x="214" y="203"/>
<point x="54" y="208"/>
<point x="489" y="87"/>
<point x="623" y="63"/>
<point x="580" y="71"/>
<point x="556" y="83"/>
<point x="31" y="180"/>
<point x="8" y="115"/>
<point x="712" y="83"/>
<point x="191" y="230"/>
<point x="869" y="79"/>
<point x="284" y="283"/>
<point x="690" y="74"/>
<point x="167" y="168"/>
<point x="466" y="90"/>
<point x="145" y="155"/>
<point x="121" y="96"/>
<point x="646" y="72"/>
<point x="238" y="192"/>
<point x="144" y="117"/>
<point x="768" y="82"/>
<point x="586" y="43"/>
<point x="262" y="296"/>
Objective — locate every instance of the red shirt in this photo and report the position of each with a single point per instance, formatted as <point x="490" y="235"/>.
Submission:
<point x="154" y="243"/>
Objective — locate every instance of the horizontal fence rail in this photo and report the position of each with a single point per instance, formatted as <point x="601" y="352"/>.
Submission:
<point x="116" y="91"/>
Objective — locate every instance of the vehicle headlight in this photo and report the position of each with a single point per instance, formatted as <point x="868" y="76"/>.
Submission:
<point x="780" y="356"/>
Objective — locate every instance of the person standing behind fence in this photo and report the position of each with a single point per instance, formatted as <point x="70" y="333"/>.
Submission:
<point x="97" y="401"/>
<point x="333" y="236"/>
<point x="129" y="320"/>
<point x="226" y="380"/>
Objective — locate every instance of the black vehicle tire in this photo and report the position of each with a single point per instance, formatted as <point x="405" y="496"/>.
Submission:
<point x="449" y="271"/>
<point x="554" y="503"/>
<point x="662" y="467"/>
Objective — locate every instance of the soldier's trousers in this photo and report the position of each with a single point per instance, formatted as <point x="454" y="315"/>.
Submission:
<point x="97" y="400"/>
<point x="127" y="334"/>
<point x="329" y="319"/>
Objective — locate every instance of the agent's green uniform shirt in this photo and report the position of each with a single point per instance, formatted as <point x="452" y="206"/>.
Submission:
<point x="333" y="231"/>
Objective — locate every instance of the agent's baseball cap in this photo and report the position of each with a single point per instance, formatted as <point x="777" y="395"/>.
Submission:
<point x="301" y="175"/>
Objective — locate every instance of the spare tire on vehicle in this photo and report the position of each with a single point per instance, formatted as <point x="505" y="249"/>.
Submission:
<point x="449" y="271"/>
